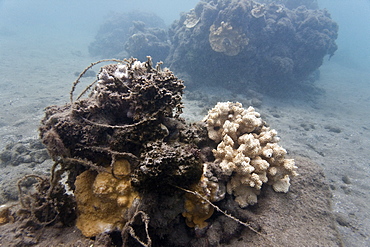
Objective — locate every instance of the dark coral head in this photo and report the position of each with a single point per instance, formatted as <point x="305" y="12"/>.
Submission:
<point x="165" y="167"/>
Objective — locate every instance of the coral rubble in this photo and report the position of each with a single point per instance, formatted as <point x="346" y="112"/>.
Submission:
<point x="5" y="215"/>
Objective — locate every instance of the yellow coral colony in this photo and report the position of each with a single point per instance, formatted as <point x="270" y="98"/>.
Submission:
<point x="247" y="152"/>
<point x="197" y="210"/>
<point x="5" y="216"/>
<point x="103" y="199"/>
<point x="226" y="39"/>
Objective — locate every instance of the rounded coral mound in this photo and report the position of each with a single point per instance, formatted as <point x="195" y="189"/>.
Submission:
<point x="247" y="153"/>
<point x="264" y="45"/>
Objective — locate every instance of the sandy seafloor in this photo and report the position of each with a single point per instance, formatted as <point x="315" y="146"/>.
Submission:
<point x="331" y="130"/>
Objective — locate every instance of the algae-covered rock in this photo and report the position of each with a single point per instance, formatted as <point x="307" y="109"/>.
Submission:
<point x="127" y="107"/>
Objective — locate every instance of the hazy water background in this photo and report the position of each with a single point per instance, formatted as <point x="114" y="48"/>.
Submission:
<point x="37" y="38"/>
<point x="49" y="22"/>
<point x="353" y="41"/>
<point x="78" y="19"/>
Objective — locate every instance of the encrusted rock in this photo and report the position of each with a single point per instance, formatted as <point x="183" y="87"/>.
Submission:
<point x="123" y="142"/>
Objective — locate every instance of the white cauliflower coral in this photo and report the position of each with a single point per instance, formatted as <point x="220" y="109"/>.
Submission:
<point x="247" y="153"/>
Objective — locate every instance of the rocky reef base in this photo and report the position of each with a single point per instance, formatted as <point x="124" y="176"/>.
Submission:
<point x="280" y="218"/>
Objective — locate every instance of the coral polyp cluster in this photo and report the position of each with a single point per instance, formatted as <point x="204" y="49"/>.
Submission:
<point x="247" y="153"/>
<point x="198" y="210"/>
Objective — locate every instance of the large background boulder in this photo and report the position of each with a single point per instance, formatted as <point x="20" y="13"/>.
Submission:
<point x="246" y="44"/>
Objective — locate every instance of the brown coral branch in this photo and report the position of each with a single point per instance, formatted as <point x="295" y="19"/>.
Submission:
<point x="125" y="155"/>
<point x="55" y="176"/>
<point x="85" y="70"/>
<point x="86" y="89"/>
<point x="84" y="163"/>
<point x="145" y="220"/>
<point x="152" y="118"/>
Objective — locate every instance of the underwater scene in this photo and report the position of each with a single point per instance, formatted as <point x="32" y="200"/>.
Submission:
<point x="185" y="123"/>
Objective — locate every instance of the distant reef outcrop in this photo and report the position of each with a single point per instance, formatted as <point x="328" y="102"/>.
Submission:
<point x="268" y="46"/>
